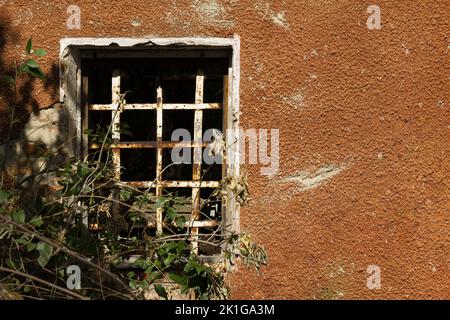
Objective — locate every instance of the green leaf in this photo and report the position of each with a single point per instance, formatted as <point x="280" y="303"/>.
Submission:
<point x="26" y="289"/>
<point x="18" y="216"/>
<point x="36" y="72"/>
<point x="31" y="246"/>
<point x="199" y="268"/>
<point x="157" y="264"/>
<point x="29" y="46"/>
<point x="151" y="275"/>
<point x="180" y="221"/>
<point x="32" y="63"/>
<point x="39" y="52"/>
<point x="181" y="246"/>
<point x="160" y="202"/>
<point x="188" y="267"/>
<point x="10" y="263"/>
<point x="178" y="278"/>
<point x="204" y="297"/>
<point x="23" y="68"/>
<point x="169" y="259"/>
<point x="133" y="284"/>
<point x="61" y="272"/>
<point x="44" y="247"/>
<point x="171" y="213"/>
<point x="37" y="221"/>
<point x="125" y="195"/>
<point x="20" y="241"/>
<point x="4" y="195"/>
<point x="45" y="252"/>
<point x="144" y="284"/>
<point x="130" y="274"/>
<point x="43" y="260"/>
<point x="185" y="288"/>
<point x="161" y="291"/>
<point x="83" y="171"/>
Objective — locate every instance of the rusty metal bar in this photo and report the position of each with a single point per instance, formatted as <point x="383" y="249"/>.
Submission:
<point x="224" y="131"/>
<point x="197" y="158"/>
<point x="195" y="106"/>
<point x="137" y="106"/>
<point x="217" y="76"/>
<point x="84" y="115"/>
<point x="115" y="133"/>
<point x="153" y="106"/>
<point x="172" y="184"/>
<point x="84" y="99"/>
<point x="159" y="159"/>
<point x="193" y="224"/>
<point x="151" y="144"/>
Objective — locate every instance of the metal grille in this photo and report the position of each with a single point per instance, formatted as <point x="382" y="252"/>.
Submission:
<point x="196" y="184"/>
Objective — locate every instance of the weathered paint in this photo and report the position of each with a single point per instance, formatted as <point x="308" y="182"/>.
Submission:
<point x="335" y="90"/>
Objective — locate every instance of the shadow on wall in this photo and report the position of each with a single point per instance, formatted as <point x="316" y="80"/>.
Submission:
<point x="31" y="136"/>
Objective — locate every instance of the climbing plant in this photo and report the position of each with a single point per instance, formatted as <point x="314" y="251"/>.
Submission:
<point x="75" y="224"/>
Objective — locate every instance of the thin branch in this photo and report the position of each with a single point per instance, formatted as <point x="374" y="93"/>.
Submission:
<point x="67" y="251"/>
<point x="29" y="276"/>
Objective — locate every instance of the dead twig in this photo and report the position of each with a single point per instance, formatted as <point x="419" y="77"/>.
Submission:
<point x="54" y="286"/>
<point x="67" y="251"/>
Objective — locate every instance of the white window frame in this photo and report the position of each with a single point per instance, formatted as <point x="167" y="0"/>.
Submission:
<point x="71" y="50"/>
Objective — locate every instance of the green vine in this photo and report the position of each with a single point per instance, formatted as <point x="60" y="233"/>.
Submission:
<point x="46" y="231"/>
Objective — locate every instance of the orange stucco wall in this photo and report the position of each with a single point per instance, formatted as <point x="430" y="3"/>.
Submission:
<point x="364" y="130"/>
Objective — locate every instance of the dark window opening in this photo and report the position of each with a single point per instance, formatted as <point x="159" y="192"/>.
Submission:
<point x="138" y="125"/>
<point x="177" y="119"/>
<point x="159" y="95"/>
<point x="137" y="164"/>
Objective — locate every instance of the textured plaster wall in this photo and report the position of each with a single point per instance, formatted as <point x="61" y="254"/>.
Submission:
<point x="364" y="130"/>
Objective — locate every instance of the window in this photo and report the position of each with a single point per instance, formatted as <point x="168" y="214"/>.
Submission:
<point x="164" y="88"/>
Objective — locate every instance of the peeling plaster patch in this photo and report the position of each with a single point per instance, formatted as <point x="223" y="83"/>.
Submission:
<point x="308" y="180"/>
<point x="44" y="127"/>
<point x="43" y="132"/>
<point x="297" y="100"/>
<point x="211" y="12"/>
<point x="278" y="18"/>
<point x="305" y="181"/>
<point x="311" y="77"/>
<point x="136" y="22"/>
<point x="176" y="19"/>
<point x="207" y="12"/>
<point x="209" y="9"/>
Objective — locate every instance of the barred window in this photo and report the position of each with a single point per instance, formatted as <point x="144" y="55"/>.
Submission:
<point x="139" y="101"/>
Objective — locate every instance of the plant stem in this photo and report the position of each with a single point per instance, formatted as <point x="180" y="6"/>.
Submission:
<point x="29" y="276"/>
